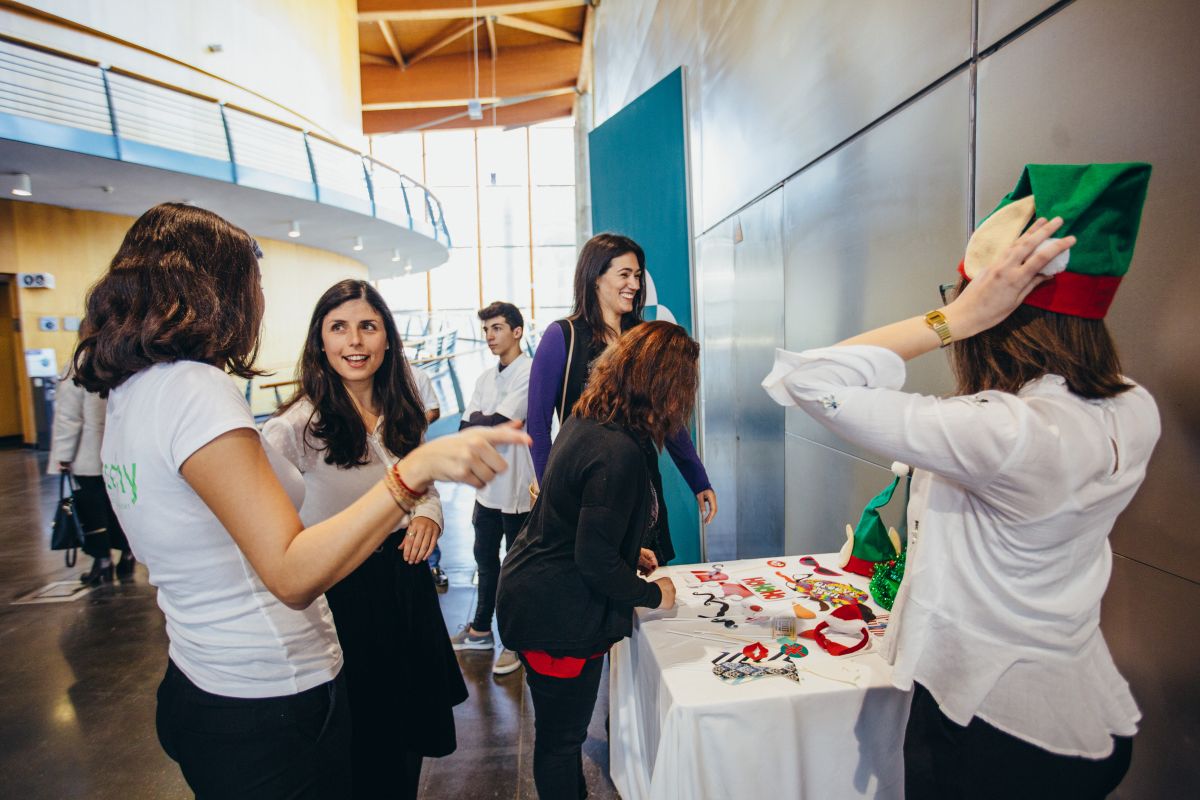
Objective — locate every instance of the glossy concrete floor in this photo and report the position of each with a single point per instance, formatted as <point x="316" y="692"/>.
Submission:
<point x="77" y="679"/>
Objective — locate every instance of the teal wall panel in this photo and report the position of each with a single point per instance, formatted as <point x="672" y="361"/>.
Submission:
<point x="638" y="161"/>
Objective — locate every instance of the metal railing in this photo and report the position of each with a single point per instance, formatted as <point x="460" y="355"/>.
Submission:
<point x="66" y="101"/>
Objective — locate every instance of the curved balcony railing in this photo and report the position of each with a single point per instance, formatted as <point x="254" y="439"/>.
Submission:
<point x="73" y="103"/>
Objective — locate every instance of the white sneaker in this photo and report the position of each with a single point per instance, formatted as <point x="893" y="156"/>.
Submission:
<point x="506" y="663"/>
<point x="465" y="640"/>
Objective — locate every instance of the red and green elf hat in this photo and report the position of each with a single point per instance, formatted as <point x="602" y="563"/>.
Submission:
<point x="1101" y="206"/>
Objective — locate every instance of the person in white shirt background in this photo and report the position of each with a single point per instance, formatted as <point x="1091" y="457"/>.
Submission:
<point x="1019" y="479"/>
<point x="356" y="412"/>
<point x="433" y="412"/>
<point x="78" y="431"/>
<point x="501" y="508"/>
<point x="252" y="704"/>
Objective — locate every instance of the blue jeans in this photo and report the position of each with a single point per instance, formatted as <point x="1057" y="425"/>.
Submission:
<point x="435" y="558"/>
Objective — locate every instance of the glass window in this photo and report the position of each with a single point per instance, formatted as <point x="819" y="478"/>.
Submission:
<point x="458" y="204"/>
<point x="554" y="215"/>
<point x="405" y="293"/>
<point x="553" y="278"/>
<point x="450" y="158"/>
<point x="506" y="275"/>
<point x="552" y="156"/>
<point x="400" y="151"/>
<point x="503" y="215"/>
<point x="502" y="157"/>
<point x="455" y="284"/>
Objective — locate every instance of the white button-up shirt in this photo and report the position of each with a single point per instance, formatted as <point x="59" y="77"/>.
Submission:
<point x="1012" y="502"/>
<point x="506" y="392"/>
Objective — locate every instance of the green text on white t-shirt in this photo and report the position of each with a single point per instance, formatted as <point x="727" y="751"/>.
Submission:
<point x="122" y="478"/>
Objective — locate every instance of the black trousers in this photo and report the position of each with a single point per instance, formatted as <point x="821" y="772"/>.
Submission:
<point x="946" y="761"/>
<point x="562" y="709"/>
<point x="294" y="747"/>
<point x="490" y="526"/>
<point x="96" y="513"/>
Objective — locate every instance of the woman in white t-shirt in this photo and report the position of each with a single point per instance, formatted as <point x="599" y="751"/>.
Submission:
<point x="252" y="705"/>
<point x="357" y="410"/>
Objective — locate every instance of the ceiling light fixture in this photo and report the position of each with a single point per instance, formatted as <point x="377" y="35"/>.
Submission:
<point x="407" y="265"/>
<point x="294" y="231"/>
<point x="396" y="254"/>
<point x="17" y="183"/>
<point x="358" y="245"/>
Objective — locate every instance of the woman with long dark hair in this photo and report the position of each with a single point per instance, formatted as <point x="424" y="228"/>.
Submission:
<point x="610" y="295"/>
<point x="569" y="584"/>
<point x="252" y="704"/>
<point x="356" y="412"/>
<point x="1019" y="478"/>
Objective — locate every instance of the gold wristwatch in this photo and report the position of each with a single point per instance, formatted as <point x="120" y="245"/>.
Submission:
<point x="937" y="320"/>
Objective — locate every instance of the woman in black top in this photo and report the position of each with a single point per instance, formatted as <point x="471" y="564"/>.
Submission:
<point x="569" y="585"/>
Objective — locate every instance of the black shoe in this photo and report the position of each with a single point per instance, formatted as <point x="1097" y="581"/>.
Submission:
<point x="125" y="565"/>
<point x="97" y="574"/>
<point x="440" y="579"/>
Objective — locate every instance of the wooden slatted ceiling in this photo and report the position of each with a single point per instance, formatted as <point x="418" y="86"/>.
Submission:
<point x="420" y="52"/>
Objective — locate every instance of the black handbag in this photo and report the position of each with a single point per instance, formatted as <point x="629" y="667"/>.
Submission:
<point x="67" y="533"/>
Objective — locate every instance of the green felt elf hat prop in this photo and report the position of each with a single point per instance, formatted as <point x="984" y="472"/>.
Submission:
<point x="872" y="541"/>
<point x="1101" y="206"/>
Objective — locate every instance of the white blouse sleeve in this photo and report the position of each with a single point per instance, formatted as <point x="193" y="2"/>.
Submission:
<point x="993" y="444"/>
<point x="430" y="506"/>
<point x="281" y="432"/>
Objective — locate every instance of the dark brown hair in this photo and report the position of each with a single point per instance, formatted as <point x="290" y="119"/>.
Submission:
<point x="183" y="286"/>
<point x="511" y="314"/>
<point x="594" y="260"/>
<point x="335" y="423"/>
<point x="646" y="381"/>
<point x="1033" y="342"/>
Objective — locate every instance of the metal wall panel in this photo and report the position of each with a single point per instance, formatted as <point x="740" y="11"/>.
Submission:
<point x="787" y="81"/>
<point x="1152" y="651"/>
<point x="1116" y="94"/>
<point x="999" y="18"/>
<point x="826" y="489"/>
<point x="758" y="325"/>
<point x="872" y="230"/>
<point x="715" y="292"/>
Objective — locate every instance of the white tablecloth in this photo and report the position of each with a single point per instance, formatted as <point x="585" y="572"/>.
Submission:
<point x="678" y="731"/>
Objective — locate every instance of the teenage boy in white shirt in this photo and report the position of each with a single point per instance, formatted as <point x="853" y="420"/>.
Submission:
<point x="502" y="506"/>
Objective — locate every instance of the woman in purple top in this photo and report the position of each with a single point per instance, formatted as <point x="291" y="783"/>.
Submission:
<point x="609" y="297"/>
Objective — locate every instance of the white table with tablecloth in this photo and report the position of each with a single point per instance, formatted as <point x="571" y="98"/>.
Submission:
<point x="679" y="731"/>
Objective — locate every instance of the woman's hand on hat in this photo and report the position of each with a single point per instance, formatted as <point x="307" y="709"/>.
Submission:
<point x="999" y="289"/>
<point x="468" y="456"/>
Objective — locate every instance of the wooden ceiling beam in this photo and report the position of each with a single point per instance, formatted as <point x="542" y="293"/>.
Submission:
<point x="584" y="83"/>
<point x="409" y="10"/>
<point x="389" y="36"/>
<point x="536" y="27"/>
<point x="527" y="70"/>
<point x="379" y="122"/>
<point x="371" y="58"/>
<point x="491" y="32"/>
<point x="461" y="102"/>
<point x="453" y="33"/>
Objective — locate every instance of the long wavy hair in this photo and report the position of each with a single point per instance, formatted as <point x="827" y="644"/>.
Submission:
<point x="183" y="286"/>
<point x="335" y="426"/>
<point x="1032" y="342"/>
<point x="594" y="260"/>
<point x="646" y="381"/>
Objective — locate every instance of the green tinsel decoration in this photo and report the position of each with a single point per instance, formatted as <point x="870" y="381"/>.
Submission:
<point x="885" y="582"/>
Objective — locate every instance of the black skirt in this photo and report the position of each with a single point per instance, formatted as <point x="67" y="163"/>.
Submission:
<point x="401" y="672"/>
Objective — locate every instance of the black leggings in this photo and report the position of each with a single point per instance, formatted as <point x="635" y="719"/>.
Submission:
<point x="946" y="761"/>
<point x="562" y="709"/>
